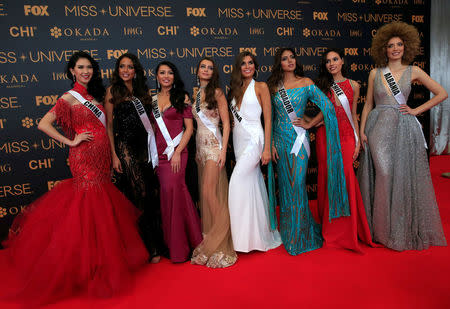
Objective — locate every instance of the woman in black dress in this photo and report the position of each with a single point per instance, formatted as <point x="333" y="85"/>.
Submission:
<point x="129" y="148"/>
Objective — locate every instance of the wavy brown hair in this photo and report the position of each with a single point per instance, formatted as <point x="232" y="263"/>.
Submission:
<point x="277" y="72"/>
<point x="213" y="84"/>
<point x="236" y="76"/>
<point x="119" y="90"/>
<point x="407" y="33"/>
<point x="325" y="79"/>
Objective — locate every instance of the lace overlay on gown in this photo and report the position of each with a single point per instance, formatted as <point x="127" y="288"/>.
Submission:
<point x="216" y="250"/>
<point x="138" y="181"/>
<point x="80" y="237"/>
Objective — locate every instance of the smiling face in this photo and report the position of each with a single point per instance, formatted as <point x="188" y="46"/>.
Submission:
<point x="395" y="48"/>
<point x="288" y="63"/>
<point x="126" y="69"/>
<point x="82" y="71"/>
<point x="165" y="76"/>
<point x="334" y="63"/>
<point x="247" y="67"/>
<point x="205" y="70"/>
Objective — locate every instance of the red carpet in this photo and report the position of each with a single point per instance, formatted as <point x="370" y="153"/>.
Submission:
<point x="324" y="278"/>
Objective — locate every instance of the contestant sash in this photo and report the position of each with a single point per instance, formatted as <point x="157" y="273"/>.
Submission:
<point x="398" y="95"/>
<point x="244" y="123"/>
<point x="206" y="121"/>
<point x="171" y="143"/>
<point x="151" y="142"/>
<point x="91" y="106"/>
<point x="346" y="105"/>
<point x="301" y="132"/>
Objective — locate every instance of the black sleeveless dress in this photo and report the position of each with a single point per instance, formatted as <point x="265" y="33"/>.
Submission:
<point x="138" y="181"/>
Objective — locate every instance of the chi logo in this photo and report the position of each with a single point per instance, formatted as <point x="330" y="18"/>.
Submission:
<point x="306" y="32"/>
<point x="55" y="32"/>
<point x="195" y="31"/>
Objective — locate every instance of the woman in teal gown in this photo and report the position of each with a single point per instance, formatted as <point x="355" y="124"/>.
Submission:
<point x="299" y="232"/>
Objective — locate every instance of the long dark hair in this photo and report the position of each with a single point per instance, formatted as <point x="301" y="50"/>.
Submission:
<point x="236" y="75"/>
<point x="177" y="92"/>
<point x="120" y="91"/>
<point x="325" y="79"/>
<point x="277" y="72"/>
<point x="213" y="84"/>
<point x="95" y="86"/>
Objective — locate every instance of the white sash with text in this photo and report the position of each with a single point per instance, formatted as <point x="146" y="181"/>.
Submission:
<point x="301" y="132"/>
<point x="91" y="106"/>
<point x="171" y="143"/>
<point x="346" y="105"/>
<point x="398" y="95"/>
<point x="151" y="142"/>
<point x="206" y="121"/>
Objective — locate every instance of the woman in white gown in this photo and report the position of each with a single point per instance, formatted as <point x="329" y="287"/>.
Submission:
<point x="247" y="197"/>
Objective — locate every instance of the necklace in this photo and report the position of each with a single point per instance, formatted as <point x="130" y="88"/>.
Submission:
<point x="340" y="81"/>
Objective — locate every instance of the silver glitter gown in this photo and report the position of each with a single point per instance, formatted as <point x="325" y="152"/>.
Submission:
<point x="394" y="175"/>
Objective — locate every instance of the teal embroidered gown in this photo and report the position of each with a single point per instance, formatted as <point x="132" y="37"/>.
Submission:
<point x="299" y="232"/>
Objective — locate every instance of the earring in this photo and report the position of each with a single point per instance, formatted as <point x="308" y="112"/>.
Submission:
<point x="198" y="82"/>
<point x="256" y="74"/>
<point x="174" y="85"/>
<point x="74" y="78"/>
<point x="158" y="86"/>
<point x="134" y="77"/>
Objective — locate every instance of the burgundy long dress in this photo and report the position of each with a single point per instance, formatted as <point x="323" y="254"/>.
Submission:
<point x="343" y="232"/>
<point x="81" y="236"/>
<point x="180" y="219"/>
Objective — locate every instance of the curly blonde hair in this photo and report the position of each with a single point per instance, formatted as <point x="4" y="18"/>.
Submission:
<point x="406" y="32"/>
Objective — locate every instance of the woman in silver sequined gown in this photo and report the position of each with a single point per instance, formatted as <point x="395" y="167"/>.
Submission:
<point x="394" y="174"/>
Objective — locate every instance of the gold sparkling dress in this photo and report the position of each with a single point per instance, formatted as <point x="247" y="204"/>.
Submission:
<point x="216" y="250"/>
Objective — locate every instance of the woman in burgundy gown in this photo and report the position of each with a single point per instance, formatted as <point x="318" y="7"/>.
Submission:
<point x="172" y="112"/>
<point x="81" y="236"/>
<point x="343" y="232"/>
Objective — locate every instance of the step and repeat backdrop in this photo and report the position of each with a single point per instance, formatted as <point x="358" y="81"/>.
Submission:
<point x="38" y="38"/>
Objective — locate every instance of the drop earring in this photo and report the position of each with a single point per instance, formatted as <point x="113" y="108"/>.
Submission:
<point x="158" y="86"/>
<point x="198" y="82"/>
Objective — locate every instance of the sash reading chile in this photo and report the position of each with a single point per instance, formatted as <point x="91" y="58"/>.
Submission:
<point x="398" y="95"/>
<point x="91" y="106"/>
<point x="346" y="105"/>
<point x="211" y="127"/>
<point x="151" y="142"/>
<point x="301" y="132"/>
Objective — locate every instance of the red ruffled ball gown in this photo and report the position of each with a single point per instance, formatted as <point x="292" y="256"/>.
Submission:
<point x="81" y="236"/>
<point x="342" y="232"/>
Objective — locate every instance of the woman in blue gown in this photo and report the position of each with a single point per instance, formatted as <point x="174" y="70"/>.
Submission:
<point x="290" y="151"/>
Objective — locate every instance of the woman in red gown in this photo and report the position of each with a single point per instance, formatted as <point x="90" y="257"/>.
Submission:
<point x="180" y="220"/>
<point x="343" y="232"/>
<point x="81" y="237"/>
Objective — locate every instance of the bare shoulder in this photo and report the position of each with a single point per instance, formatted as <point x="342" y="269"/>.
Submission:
<point x="218" y="93"/>
<point x="261" y="86"/>
<point x="354" y="84"/>
<point x="67" y="97"/>
<point x="304" y="82"/>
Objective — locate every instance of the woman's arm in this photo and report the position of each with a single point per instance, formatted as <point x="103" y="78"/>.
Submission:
<point x="109" y="108"/>
<point x="46" y="126"/>
<point x="189" y="129"/>
<point x="264" y="100"/>
<point x="367" y="107"/>
<point x="225" y="118"/>
<point x="439" y="92"/>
